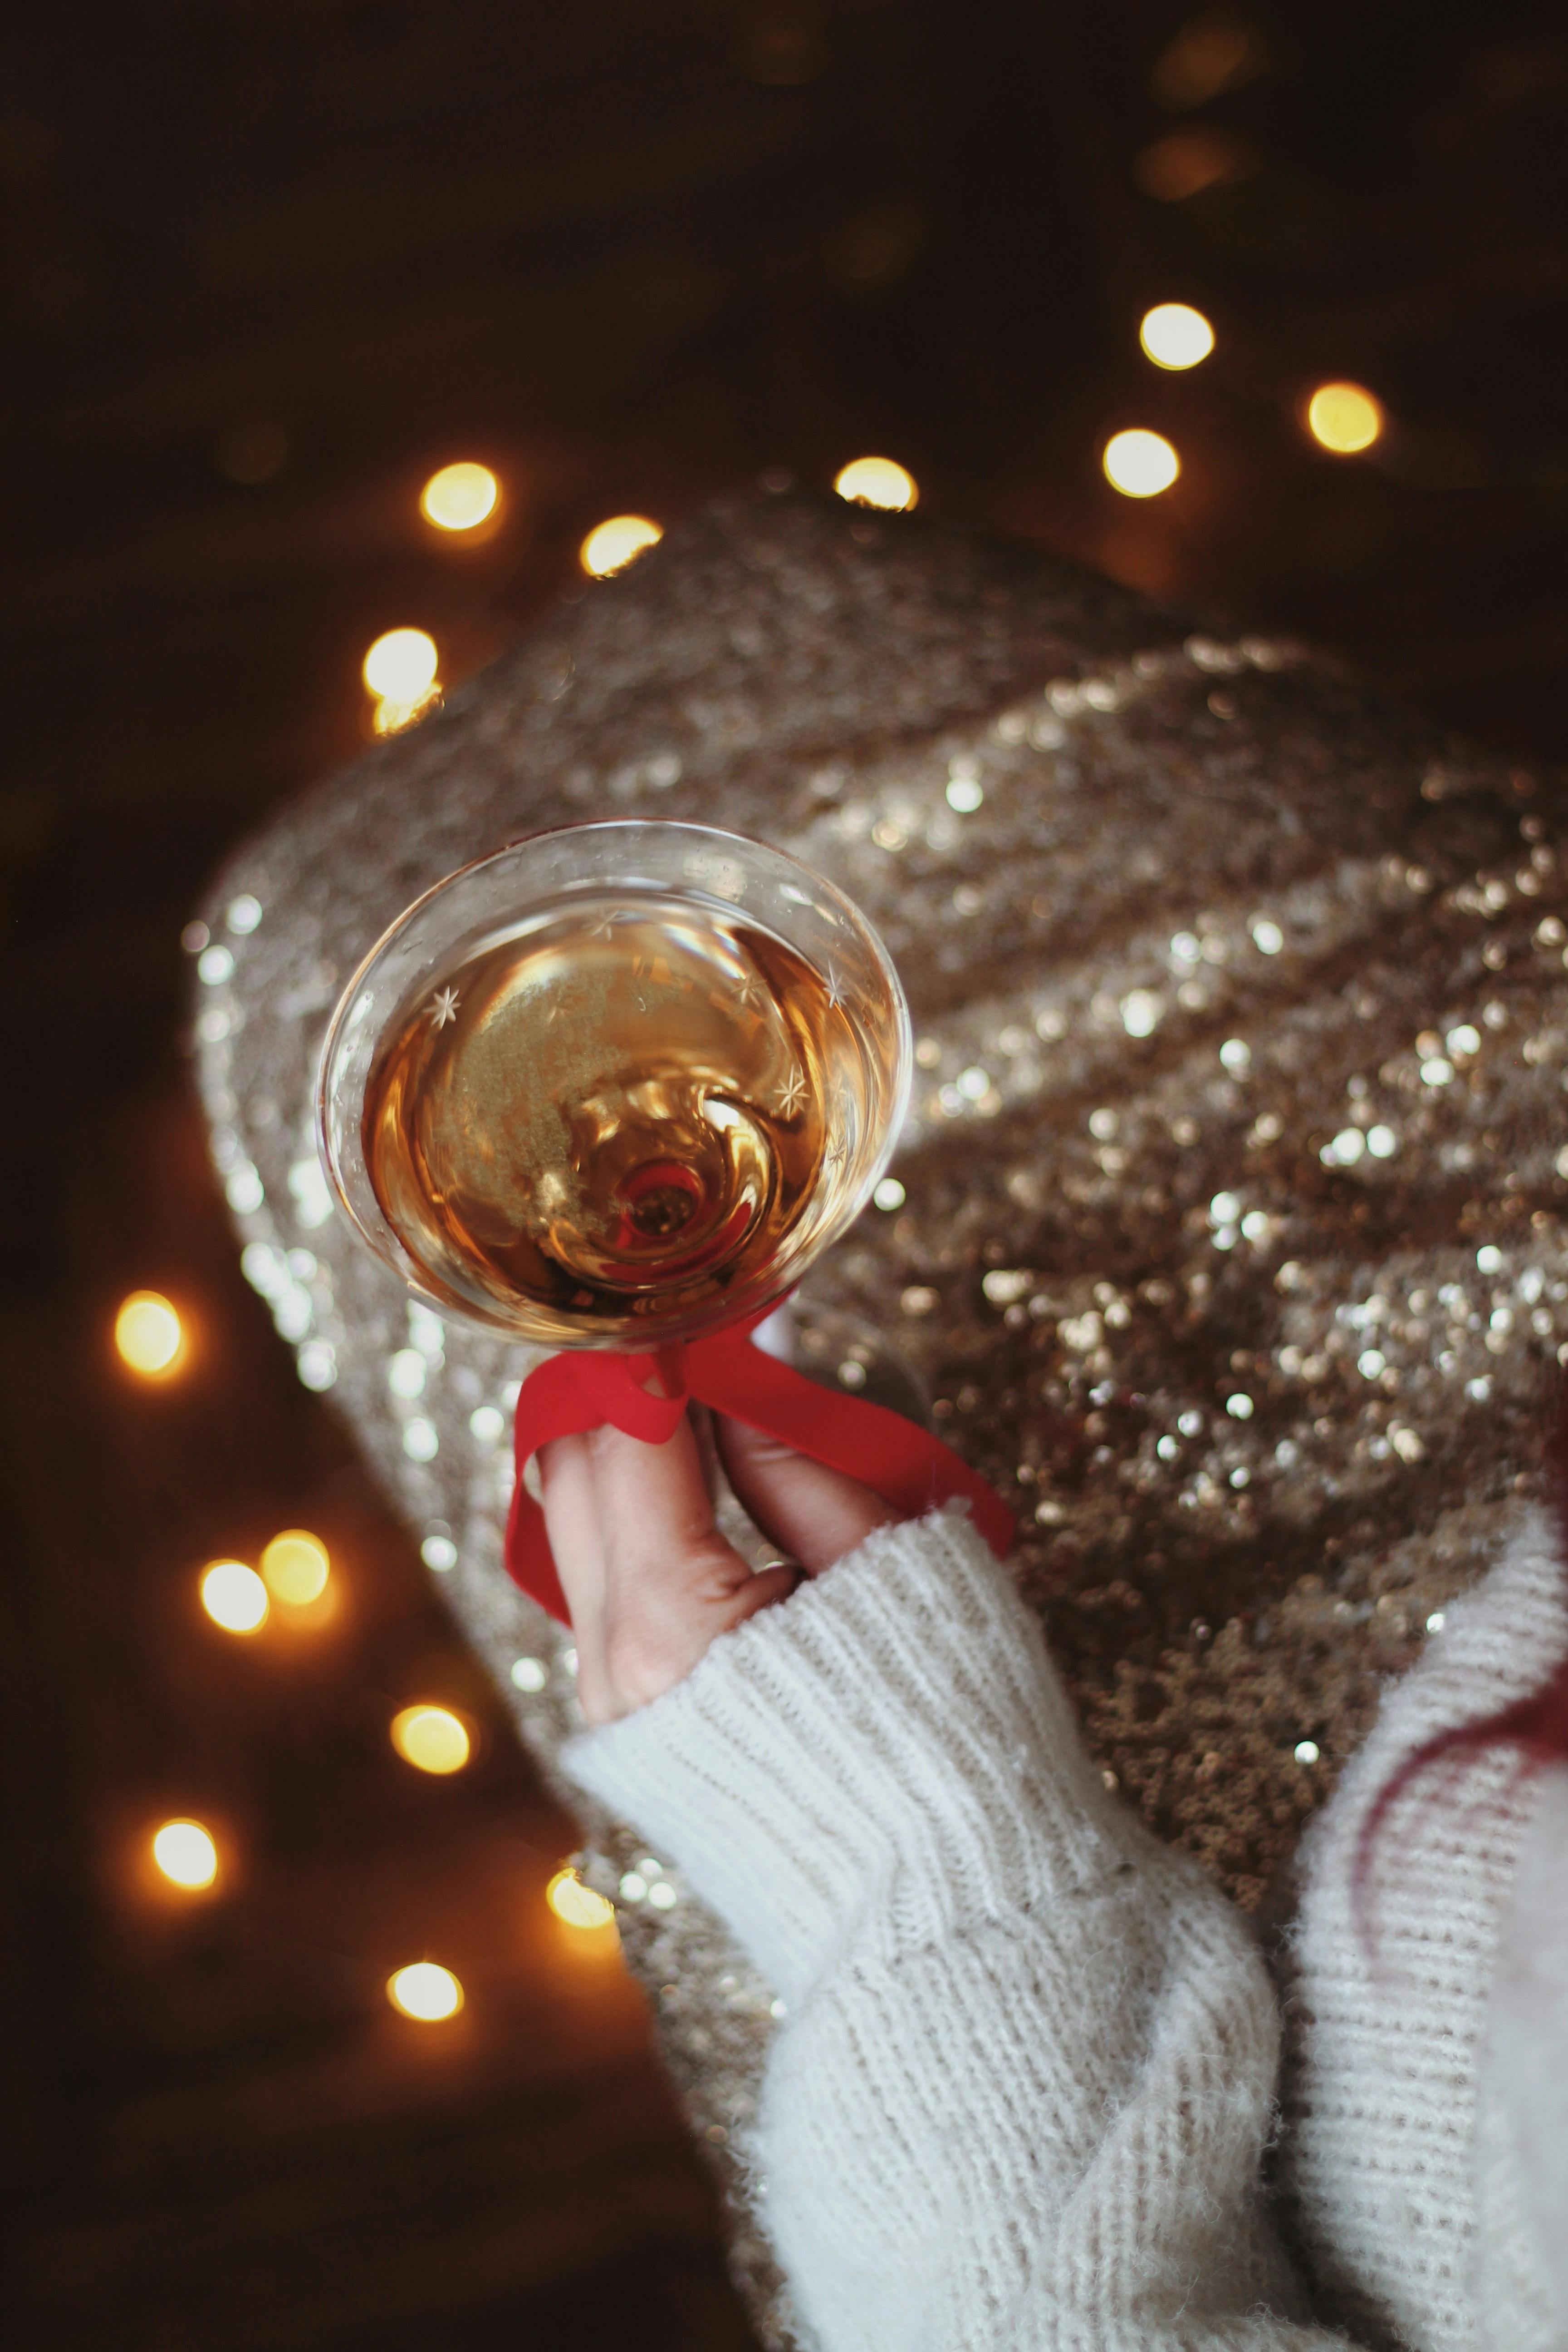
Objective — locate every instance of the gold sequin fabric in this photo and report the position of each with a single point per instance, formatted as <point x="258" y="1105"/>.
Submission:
<point x="1230" y="1242"/>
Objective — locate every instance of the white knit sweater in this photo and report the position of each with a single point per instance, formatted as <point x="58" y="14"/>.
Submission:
<point x="1028" y="2074"/>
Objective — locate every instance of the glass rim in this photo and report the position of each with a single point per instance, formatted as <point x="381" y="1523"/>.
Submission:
<point x="382" y="1240"/>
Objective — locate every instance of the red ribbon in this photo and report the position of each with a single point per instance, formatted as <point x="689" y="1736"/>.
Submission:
<point x="647" y="1395"/>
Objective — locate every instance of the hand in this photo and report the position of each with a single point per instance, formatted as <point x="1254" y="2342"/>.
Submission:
<point x="649" y="1580"/>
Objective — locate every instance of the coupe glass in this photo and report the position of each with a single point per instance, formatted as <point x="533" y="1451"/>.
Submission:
<point x="644" y="1113"/>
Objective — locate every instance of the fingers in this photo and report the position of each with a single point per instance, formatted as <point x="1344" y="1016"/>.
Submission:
<point x="813" y="1513"/>
<point x="649" y="1580"/>
<point x="571" y="1503"/>
<point x="653" y="1504"/>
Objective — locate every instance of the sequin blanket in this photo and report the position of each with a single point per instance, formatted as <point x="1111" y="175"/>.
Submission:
<point x="1231" y="1241"/>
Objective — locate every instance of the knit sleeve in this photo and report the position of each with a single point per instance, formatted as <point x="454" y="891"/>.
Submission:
<point x="1411" y="2227"/>
<point x="1024" y="2079"/>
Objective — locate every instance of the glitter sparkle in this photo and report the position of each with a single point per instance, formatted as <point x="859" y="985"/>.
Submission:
<point x="1435" y="1255"/>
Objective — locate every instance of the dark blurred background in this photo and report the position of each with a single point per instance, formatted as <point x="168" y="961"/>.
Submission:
<point x="267" y="266"/>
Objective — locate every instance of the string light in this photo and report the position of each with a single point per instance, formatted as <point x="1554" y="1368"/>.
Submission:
<point x="431" y="1739"/>
<point x="400" y="671"/>
<point x="401" y="666"/>
<point x="611" y="546"/>
<point x="1174" y="335"/>
<point x="578" y="1904"/>
<point x="148" y="1333"/>
<point x="234" y="1596"/>
<point x="1184" y="163"/>
<point x="1216" y="52"/>
<point x="186" y="1853"/>
<point x="390" y="718"/>
<point x="878" y="482"/>
<point x="460" y="497"/>
<point x="425" y="1990"/>
<point x="295" y="1566"/>
<point x="1140" y="463"/>
<point x="1344" y="417"/>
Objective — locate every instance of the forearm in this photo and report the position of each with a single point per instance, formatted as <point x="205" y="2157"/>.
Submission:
<point x="1044" y="2134"/>
<point x="1025" y="2075"/>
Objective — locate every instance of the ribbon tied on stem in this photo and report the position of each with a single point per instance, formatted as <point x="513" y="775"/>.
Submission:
<point x="646" y="1395"/>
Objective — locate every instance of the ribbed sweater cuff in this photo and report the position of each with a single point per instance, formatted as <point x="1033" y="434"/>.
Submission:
<point x="886" y="1759"/>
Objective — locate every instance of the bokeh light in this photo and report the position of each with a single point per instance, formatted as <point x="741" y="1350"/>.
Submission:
<point x="148" y="1333"/>
<point x="431" y="1739"/>
<point x="578" y="1904"/>
<point x="295" y="1566"/>
<point x="1174" y="335"/>
<point x="425" y="1990"/>
<point x="1184" y="163"/>
<point x="878" y="482"/>
<point x="1140" y="463"/>
<point x="234" y="1596"/>
<point x="186" y="1853"/>
<point x="390" y="718"/>
<point x="460" y="496"/>
<point x="1214" y="52"/>
<point x="1344" y="417"/>
<point x="401" y="666"/>
<point x="611" y="546"/>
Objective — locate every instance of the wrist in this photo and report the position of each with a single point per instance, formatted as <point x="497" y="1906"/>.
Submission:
<point x="890" y="1744"/>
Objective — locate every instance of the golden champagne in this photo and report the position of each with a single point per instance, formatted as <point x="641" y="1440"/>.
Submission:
<point x="619" y="1118"/>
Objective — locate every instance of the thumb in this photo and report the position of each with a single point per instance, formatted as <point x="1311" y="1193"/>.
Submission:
<point x="815" y="1514"/>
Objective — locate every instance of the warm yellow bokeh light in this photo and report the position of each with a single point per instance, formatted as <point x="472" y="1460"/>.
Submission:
<point x="431" y="1739"/>
<point x="1174" y="335"/>
<point x="234" y="1596"/>
<point x="576" y="1904"/>
<point x="1140" y="463"/>
<point x="390" y="718"/>
<point x="186" y="1853"/>
<point x="1182" y="164"/>
<point x="425" y="1990"/>
<point x="1344" y="417"/>
<point x="147" y="1332"/>
<point x="401" y="666"/>
<point x="878" y="482"/>
<point x="1214" y="52"/>
<point x="296" y="1567"/>
<point x="460" y="497"/>
<point x="612" y="545"/>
